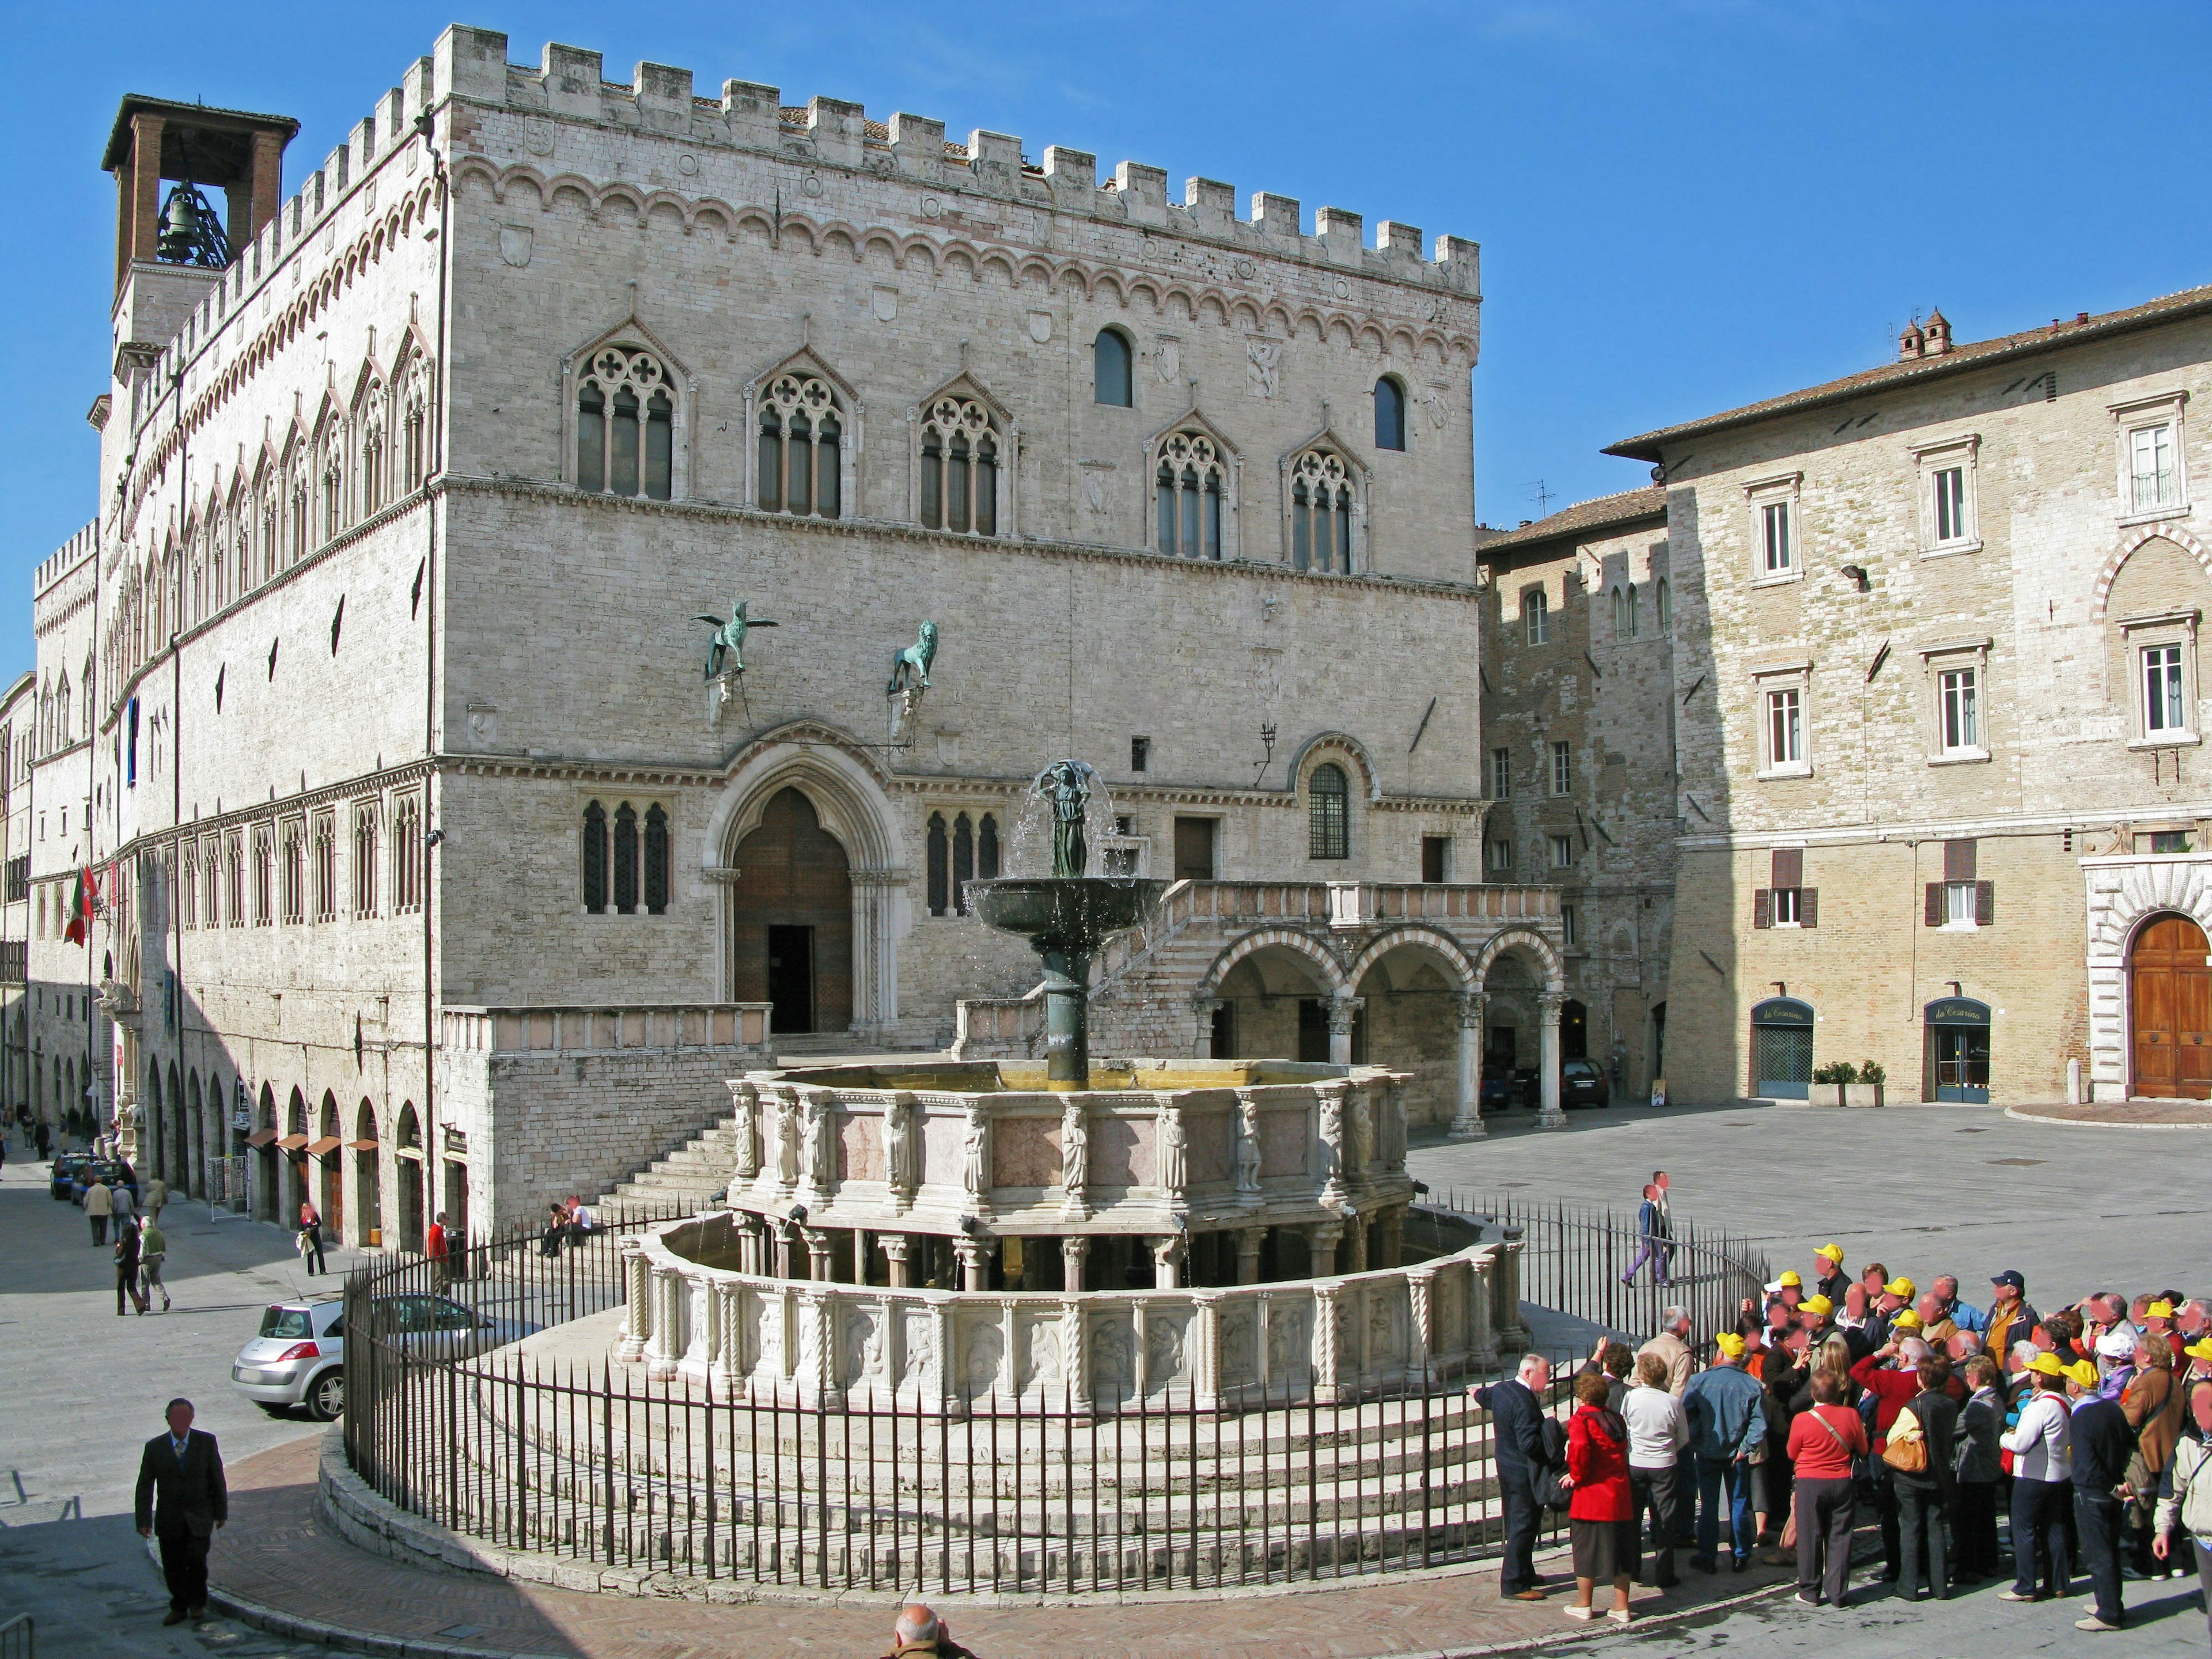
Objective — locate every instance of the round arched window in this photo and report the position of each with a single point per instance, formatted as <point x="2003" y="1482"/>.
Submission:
<point x="1109" y="369"/>
<point x="1390" y="414"/>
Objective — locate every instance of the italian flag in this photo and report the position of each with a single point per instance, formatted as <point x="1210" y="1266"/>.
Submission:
<point x="80" y="902"/>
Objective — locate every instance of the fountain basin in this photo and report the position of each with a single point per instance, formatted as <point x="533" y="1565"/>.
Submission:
<point x="1064" y="913"/>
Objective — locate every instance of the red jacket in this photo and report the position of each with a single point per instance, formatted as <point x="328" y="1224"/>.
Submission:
<point x="1892" y="1391"/>
<point x="1597" y="1462"/>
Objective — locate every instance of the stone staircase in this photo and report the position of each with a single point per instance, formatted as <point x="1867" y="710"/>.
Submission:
<point x="682" y="1182"/>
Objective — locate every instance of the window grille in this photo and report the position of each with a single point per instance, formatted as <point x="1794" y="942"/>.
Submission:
<point x="1328" y="804"/>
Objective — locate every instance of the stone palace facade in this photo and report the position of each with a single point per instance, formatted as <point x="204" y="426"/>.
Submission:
<point x="453" y="849"/>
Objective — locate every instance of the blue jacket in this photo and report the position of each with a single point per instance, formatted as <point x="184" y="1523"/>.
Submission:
<point x="1968" y="1318"/>
<point x="1652" y="1221"/>
<point x="1727" y="1416"/>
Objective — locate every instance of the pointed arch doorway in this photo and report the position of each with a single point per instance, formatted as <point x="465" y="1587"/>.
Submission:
<point x="790" y="917"/>
<point x="2170" y="1010"/>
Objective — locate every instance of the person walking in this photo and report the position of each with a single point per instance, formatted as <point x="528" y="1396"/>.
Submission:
<point x="1824" y="1439"/>
<point x="1975" y="1471"/>
<point x="2185" y="1492"/>
<point x="153" y="1252"/>
<point x="2102" y="1444"/>
<point x="1516" y="1405"/>
<point x="99" y="1205"/>
<point x="1727" y="1422"/>
<point x="1925" y="1433"/>
<point x="2042" y="1485"/>
<point x="126" y="1268"/>
<point x="311" y="1239"/>
<point x="1658" y="1434"/>
<point x="1654" y="1237"/>
<point x="182" y="1502"/>
<point x="1601" y="1513"/>
<point x="157" y="1195"/>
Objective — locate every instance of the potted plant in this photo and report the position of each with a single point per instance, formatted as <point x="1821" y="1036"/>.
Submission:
<point x="1829" y="1081"/>
<point x="1866" y="1091"/>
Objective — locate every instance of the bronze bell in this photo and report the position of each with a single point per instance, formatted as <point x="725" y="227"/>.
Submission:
<point x="180" y="226"/>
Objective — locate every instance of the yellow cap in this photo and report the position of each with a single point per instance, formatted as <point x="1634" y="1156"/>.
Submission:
<point x="2049" y="1364"/>
<point x="1791" y="1281"/>
<point x="1907" y="1321"/>
<point x="2085" y="1372"/>
<point x="1817" y="1303"/>
<point x="1904" y="1287"/>
<point x="2200" y="1349"/>
<point x="1730" y="1344"/>
<point x="2159" y="1310"/>
<point x="1831" y="1253"/>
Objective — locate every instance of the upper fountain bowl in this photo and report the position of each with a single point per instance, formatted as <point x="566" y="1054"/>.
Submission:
<point x="1069" y="913"/>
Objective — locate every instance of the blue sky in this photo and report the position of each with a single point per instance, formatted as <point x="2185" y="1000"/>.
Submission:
<point x="1683" y="205"/>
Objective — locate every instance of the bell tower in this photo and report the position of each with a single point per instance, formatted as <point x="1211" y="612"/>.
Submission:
<point x="194" y="149"/>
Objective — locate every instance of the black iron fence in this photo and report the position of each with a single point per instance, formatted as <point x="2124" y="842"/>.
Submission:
<point x="555" y="1448"/>
<point x="1594" y="1264"/>
<point x="19" y="1638"/>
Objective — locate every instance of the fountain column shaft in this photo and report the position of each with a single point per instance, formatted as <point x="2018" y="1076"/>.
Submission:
<point x="1067" y="1017"/>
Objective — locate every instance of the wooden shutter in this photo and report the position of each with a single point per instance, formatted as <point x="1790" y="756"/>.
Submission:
<point x="1958" y="860"/>
<point x="1789" y="866"/>
<point x="1762" y="909"/>
<point x="1985" y="903"/>
<point x="1934" y="904"/>
<point x="1808" y="907"/>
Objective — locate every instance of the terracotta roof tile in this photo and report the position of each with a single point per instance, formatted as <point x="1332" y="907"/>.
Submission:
<point x="1600" y="512"/>
<point x="1977" y="354"/>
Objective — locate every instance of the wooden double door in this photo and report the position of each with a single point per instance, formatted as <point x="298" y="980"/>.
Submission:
<point x="791" y="919"/>
<point x="2170" y="1011"/>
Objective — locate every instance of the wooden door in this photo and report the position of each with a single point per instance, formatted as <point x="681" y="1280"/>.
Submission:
<point x="2170" y="1010"/>
<point x="792" y="874"/>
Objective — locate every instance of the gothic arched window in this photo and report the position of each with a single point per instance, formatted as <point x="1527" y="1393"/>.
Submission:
<point x="940" y="886"/>
<point x="656" y="860"/>
<point x="1390" y="414"/>
<point x="960" y="458"/>
<point x="964" y="861"/>
<point x="801" y="447"/>
<point x="1663" y="604"/>
<point x="1109" y="369"/>
<point x="1188" y="486"/>
<point x="625" y="425"/>
<point x="1320" y="512"/>
<point x="626" y="859"/>
<point x="1328" y="812"/>
<point x="370" y="436"/>
<point x="595" y="858"/>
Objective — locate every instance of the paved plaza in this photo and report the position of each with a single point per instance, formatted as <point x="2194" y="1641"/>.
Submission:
<point x="1926" y="1189"/>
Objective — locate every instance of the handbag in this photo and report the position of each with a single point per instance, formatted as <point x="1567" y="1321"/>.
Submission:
<point x="1907" y="1449"/>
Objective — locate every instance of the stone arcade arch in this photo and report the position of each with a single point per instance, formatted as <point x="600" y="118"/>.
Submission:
<point x="361" y="1153"/>
<point x="268" y="1185"/>
<point x="408" y="1176"/>
<point x="1413" y="986"/>
<point x="1534" y="973"/>
<point x="327" y="1169"/>
<point x="805" y="791"/>
<point x="193" y="1182"/>
<point x="176" y="1124"/>
<point x="1278" y="994"/>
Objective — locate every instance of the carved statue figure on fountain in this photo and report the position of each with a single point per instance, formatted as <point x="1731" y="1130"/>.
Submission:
<point x="1362" y="1137"/>
<point x="1172" y="1170"/>
<point x="745" y="1098"/>
<point x="816" y="1156"/>
<point x="900" y="1174"/>
<point x="1068" y="786"/>
<point x="786" y="1142"/>
<point x="1074" y="1155"/>
<point x="976" y="1155"/>
<point x="1332" y="1143"/>
<point x="1248" y="1146"/>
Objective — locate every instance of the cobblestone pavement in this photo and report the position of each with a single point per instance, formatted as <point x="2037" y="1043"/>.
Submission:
<point x="1924" y="1189"/>
<point x="80" y="1391"/>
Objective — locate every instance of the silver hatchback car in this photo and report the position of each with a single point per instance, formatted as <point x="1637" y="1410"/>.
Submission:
<point x="297" y="1359"/>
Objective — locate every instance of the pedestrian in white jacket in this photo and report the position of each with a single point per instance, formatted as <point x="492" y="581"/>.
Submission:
<point x="2184" y="1491"/>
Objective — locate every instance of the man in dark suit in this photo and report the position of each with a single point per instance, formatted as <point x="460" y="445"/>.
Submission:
<point x="181" y="1501"/>
<point x="1517" y="1437"/>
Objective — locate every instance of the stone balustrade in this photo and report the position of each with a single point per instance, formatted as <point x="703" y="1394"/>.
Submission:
<point x="537" y="1029"/>
<point x="1327" y="1339"/>
<point x="1151" y="1147"/>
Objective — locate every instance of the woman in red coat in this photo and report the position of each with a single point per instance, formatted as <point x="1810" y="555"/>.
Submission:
<point x="1602" y="1518"/>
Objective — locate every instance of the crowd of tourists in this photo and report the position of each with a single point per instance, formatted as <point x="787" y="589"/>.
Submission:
<point x="1857" y="1396"/>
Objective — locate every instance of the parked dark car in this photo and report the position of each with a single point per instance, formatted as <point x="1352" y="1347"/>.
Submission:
<point x="113" y="1171"/>
<point x="1582" y="1083"/>
<point x="1503" y="1088"/>
<point x="62" y="1183"/>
